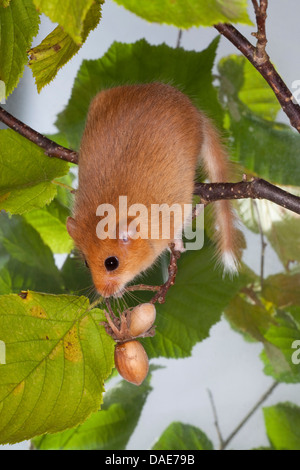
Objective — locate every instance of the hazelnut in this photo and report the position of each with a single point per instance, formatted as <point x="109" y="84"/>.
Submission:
<point x="141" y="319"/>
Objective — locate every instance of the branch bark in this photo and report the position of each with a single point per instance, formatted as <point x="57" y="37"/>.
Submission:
<point x="261" y="61"/>
<point x="261" y="16"/>
<point x="51" y="148"/>
<point x="257" y="188"/>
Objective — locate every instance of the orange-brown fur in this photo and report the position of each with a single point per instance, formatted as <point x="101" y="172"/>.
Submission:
<point x="143" y="142"/>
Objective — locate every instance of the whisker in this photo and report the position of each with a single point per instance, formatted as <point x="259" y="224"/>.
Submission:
<point x="133" y="296"/>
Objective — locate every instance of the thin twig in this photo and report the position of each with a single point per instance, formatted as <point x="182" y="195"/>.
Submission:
<point x="161" y="291"/>
<point x="249" y="291"/>
<point x="216" y="420"/>
<point x="261" y="15"/>
<point x="160" y="296"/>
<point x="51" y="148"/>
<point x="249" y="415"/>
<point x="256" y="6"/>
<point x="179" y="37"/>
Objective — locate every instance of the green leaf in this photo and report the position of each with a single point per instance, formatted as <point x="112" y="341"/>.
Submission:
<point x="50" y="222"/>
<point x="19" y="23"/>
<point x="76" y="276"/>
<point x="284" y="232"/>
<point x="57" y="357"/>
<point x="241" y="80"/>
<point x="68" y="14"/>
<point x="283" y="335"/>
<point x="279" y="225"/>
<point x="179" y="436"/>
<point x="276" y="329"/>
<point x="187" y="13"/>
<point x="26" y="174"/>
<point x="59" y="47"/>
<point x="190" y="71"/>
<point x="29" y="263"/>
<point x="110" y="428"/>
<point x="294" y="311"/>
<point x="254" y="320"/>
<point x="4" y="3"/>
<point x="276" y="366"/>
<point x="283" y="426"/>
<point x="5" y="281"/>
<point x="64" y="189"/>
<point x="280" y="356"/>
<point x="16" y="277"/>
<point x="256" y="141"/>
<point x="23" y="243"/>
<point x="282" y="289"/>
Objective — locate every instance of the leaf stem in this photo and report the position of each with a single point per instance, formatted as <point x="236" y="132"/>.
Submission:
<point x="95" y="303"/>
<point x="63" y="185"/>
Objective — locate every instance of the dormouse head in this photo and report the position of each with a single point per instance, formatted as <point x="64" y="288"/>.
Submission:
<point x="113" y="261"/>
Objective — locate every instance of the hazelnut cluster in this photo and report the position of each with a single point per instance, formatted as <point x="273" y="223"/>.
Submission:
<point x="131" y="359"/>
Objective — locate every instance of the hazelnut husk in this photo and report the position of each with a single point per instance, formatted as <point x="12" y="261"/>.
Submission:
<point x="141" y="319"/>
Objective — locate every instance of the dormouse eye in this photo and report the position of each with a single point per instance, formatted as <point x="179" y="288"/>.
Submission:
<point x="111" y="263"/>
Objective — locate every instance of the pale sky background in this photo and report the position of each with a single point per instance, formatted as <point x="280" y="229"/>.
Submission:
<point x="224" y="363"/>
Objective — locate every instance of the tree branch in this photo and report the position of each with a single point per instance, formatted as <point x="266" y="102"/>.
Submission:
<point x="261" y="16"/>
<point x="255" y="189"/>
<point x="261" y="61"/>
<point x="216" y="419"/>
<point x="51" y="148"/>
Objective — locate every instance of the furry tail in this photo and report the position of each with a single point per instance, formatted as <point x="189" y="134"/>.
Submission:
<point x="216" y="165"/>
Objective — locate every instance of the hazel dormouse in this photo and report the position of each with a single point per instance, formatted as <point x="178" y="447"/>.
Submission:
<point x="144" y="142"/>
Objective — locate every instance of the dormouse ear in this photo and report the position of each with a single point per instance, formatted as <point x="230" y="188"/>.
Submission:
<point x="71" y="226"/>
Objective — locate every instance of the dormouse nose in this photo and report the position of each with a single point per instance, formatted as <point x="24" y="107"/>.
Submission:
<point x="108" y="288"/>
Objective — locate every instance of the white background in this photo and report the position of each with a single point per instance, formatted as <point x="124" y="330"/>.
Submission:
<point x="224" y="363"/>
